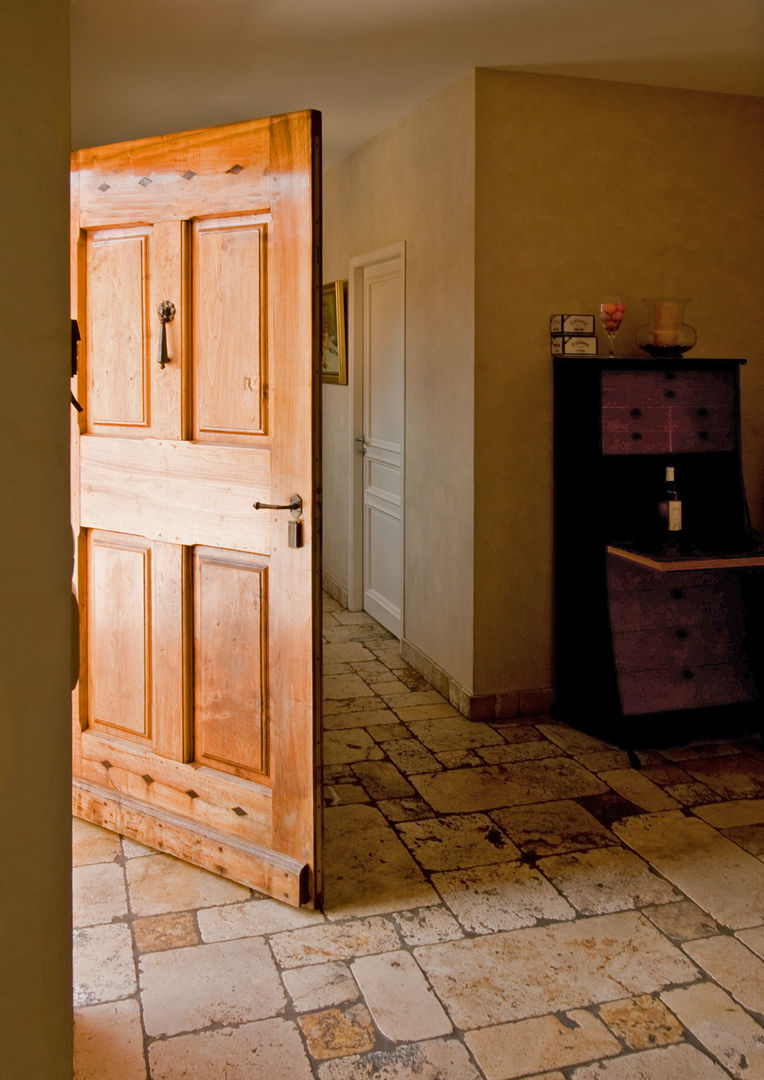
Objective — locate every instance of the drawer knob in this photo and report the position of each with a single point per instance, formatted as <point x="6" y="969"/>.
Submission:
<point x="635" y="413"/>
<point x="670" y="393"/>
<point x="681" y="633"/>
<point x="677" y="594"/>
<point x="688" y="673"/>
<point x="703" y="412"/>
<point x="704" y="436"/>
<point x="636" y="435"/>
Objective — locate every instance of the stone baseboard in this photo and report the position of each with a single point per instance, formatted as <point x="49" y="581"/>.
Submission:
<point x="336" y="591"/>
<point x="536" y="702"/>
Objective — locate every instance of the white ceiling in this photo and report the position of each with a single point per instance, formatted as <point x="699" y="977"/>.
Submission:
<point x="143" y="67"/>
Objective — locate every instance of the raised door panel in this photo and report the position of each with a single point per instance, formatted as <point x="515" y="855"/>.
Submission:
<point x="229" y="312"/>
<point x="117" y="332"/>
<point x="119" y="617"/>
<point x="231" y="662"/>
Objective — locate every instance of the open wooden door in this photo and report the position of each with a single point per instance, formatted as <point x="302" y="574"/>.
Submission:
<point x="196" y="262"/>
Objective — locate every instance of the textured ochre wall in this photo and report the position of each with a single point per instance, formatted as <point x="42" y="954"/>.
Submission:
<point x="415" y="182"/>
<point x="585" y="188"/>
<point x="35" y="546"/>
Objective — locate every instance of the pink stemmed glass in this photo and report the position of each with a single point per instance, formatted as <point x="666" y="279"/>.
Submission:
<point x="611" y="315"/>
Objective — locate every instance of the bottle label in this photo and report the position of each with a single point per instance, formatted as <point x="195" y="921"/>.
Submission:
<point x="675" y="516"/>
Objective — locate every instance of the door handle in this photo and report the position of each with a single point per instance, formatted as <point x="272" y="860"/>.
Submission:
<point x="166" y="312"/>
<point x="363" y="447"/>
<point x="294" y="504"/>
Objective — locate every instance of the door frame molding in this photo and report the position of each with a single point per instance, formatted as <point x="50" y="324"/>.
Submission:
<point x="355" y="417"/>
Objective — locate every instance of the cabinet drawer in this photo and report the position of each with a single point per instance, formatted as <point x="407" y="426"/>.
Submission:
<point x="638" y="389"/>
<point x="668" y="607"/>
<point x="637" y="650"/>
<point x="624" y="576"/>
<point x="635" y="430"/>
<point x="702" y="428"/>
<point x="659" y="690"/>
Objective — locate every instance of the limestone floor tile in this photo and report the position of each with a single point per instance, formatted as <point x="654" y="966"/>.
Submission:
<point x="456" y="840"/>
<point x="600" y="761"/>
<point x="264" y="1050"/>
<point x="346" y="686"/>
<point x="518" y="751"/>
<point x="155" y="933"/>
<point x="369" y="870"/>
<point x="382" y="780"/>
<point x="489" y="787"/>
<point x="344" y="794"/>
<point x="160" y="883"/>
<point x="399" y="997"/>
<point x="104" y="968"/>
<point x="538" y="1045"/>
<point x="389" y="687"/>
<point x="553" y="828"/>
<point x="334" y="941"/>
<point x="412" y="699"/>
<point x="320" y="985"/>
<point x="754" y="939"/>
<point x="345" y="745"/>
<point x="571" y="740"/>
<point x="532" y="972"/>
<point x="108" y="1042"/>
<point x="748" y="837"/>
<point x="92" y="844"/>
<point x="486" y="899"/>
<point x="458" y="759"/>
<point x="410" y="756"/>
<point x="720" y="877"/>
<point x="347" y="652"/>
<point x="606" y="879"/>
<point x="404" y="809"/>
<point x="739" y="777"/>
<point x="437" y="1059"/>
<point x="700" y="749"/>
<point x="642" y="1022"/>
<point x="682" y="920"/>
<point x="253" y="918"/>
<point x="694" y="794"/>
<point x="727" y="815"/>
<point x="680" y="1062"/>
<point x="98" y="893"/>
<point x="368" y="718"/>
<point x="731" y="1035"/>
<point x="333" y="1033"/>
<point x="435" y="710"/>
<point x="230" y="982"/>
<point x="733" y="966"/>
<point x="427" y="925"/>
<point x="638" y="789"/>
<point x="454" y="733"/>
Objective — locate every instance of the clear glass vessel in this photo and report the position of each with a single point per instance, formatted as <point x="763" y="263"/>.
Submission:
<point x="666" y="333"/>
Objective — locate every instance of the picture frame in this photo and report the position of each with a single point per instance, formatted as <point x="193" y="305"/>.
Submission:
<point x="334" y="364"/>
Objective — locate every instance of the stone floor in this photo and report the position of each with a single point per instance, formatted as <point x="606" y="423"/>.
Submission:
<point x="503" y="900"/>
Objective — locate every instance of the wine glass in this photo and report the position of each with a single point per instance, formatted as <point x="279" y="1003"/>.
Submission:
<point x="612" y="311"/>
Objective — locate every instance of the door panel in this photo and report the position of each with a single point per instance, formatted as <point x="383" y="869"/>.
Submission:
<point x="229" y="275"/>
<point x="197" y="725"/>
<point x="230" y="645"/>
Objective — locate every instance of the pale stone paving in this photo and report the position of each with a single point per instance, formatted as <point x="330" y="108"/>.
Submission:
<point x="503" y="900"/>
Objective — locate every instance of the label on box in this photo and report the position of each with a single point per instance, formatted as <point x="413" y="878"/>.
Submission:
<point x="571" y="324"/>
<point x="574" y="345"/>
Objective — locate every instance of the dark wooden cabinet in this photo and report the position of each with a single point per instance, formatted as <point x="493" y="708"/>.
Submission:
<point x="655" y="641"/>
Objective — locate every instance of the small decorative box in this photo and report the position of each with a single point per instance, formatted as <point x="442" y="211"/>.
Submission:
<point x="574" y="345"/>
<point x="571" y="324"/>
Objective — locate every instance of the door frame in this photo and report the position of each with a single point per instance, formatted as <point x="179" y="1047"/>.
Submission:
<point x="355" y="544"/>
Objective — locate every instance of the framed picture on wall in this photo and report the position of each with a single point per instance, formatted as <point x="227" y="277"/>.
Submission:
<point x="334" y="363"/>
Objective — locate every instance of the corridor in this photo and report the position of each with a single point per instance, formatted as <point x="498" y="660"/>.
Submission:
<point x="503" y="900"/>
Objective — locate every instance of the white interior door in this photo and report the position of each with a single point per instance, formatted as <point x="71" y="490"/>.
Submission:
<point x="381" y="441"/>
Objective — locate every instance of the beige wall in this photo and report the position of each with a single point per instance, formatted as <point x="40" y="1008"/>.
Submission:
<point x="35" y="545"/>
<point x="415" y="182"/>
<point x="585" y="188"/>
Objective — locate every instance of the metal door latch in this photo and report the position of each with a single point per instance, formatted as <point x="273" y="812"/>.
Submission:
<point x="166" y="312"/>
<point x="295" y="526"/>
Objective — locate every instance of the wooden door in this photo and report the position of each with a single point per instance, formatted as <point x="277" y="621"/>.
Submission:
<point x="196" y="719"/>
<point x="383" y="378"/>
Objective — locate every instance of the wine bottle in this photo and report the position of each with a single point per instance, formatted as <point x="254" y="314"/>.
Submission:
<point x="671" y="505"/>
